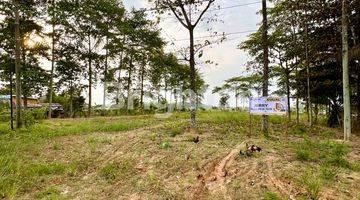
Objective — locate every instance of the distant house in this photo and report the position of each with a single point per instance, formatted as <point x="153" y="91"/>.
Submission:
<point x="29" y="101"/>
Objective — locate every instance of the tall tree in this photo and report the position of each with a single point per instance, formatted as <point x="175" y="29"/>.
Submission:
<point x="17" y="65"/>
<point x="184" y="11"/>
<point x="345" y="65"/>
<point x="265" y="92"/>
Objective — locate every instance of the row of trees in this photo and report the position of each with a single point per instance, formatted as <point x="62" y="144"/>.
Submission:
<point x="306" y="48"/>
<point x="86" y="42"/>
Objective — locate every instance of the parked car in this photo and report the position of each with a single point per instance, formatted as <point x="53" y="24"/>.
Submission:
<point x="57" y="110"/>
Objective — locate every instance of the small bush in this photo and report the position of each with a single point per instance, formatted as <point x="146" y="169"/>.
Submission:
<point x="32" y="116"/>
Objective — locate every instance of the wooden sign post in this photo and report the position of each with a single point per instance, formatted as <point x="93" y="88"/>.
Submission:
<point x="268" y="106"/>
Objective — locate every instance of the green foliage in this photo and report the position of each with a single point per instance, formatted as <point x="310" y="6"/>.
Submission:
<point x="32" y="116"/>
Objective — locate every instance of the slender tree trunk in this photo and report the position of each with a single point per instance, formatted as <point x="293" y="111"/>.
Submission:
<point x="287" y="74"/>
<point x="105" y="74"/>
<point x="119" y="80"/>
<point x="176" y="99"/>
<point x="11" y="100"/>
<point x="192" y="79"/>
<point x="90" y="78"/>
<point x="52" y="59"/>
<point x="25" y="101"/>
<point x="129" y="85"/>
<point x="71" y="100"/>
<point x="316" y="112"/>
<point x="309" y="111"/>
<point x="236" y="99"/>
<point x="345" y="64"/>
<point x="17" y="65"/>
<point x="297" y="99"/>
<point x="265" y="89"/>
<point x="358" y="94"/>
<point x="142" y="75"/>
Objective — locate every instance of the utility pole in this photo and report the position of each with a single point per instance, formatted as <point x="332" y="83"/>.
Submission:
<point x="17" y="65"/>
<point x="265" y="89"/>
<point x="345" y="65"/>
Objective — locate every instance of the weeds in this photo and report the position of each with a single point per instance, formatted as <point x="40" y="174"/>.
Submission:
<point x="312" y="185"/>
<point x="328" y="152"/>
<point x="165" y="145"/>
<point x="270" y="196"/>
<point x="109" y="172"/>
<point x="299" y="129"/>
<point x="328" y="173"/>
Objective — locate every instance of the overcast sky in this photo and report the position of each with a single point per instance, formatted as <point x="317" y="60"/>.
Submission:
<point x="234" y="16"/>
<point x="242" y="17"/>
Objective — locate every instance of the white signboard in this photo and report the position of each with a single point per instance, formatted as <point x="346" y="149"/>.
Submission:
<point x="268" y="106"/>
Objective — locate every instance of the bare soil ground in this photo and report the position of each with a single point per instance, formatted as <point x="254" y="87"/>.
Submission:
<point x="162" y="161"/>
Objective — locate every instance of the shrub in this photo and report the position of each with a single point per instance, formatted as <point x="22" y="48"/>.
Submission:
<point x="31" y="116"/>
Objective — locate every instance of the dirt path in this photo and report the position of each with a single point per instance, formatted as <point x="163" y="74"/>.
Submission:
<point x="216" y="175"/>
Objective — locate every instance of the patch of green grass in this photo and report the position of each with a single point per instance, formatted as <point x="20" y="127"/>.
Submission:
<point x="50" y="193"/>
<point x="328" y="152"/>
<point x="175" y="131"/>
<point x="165" y="145"/>
<point x="304" y="151"/>
<point x="124" y="169"/>
<point x="218" y="117"/>
<point x="327" y="133"/>
<point x="299" y="129"/>
<point x="40" y="169"/>
<point x="109" y="172"/>
<point x="95" y="142"/>
<point x="22" y="168"/>
<point x="270" y="196"/>
<point x="328" y="173"/>
<point x="312" y="185"/>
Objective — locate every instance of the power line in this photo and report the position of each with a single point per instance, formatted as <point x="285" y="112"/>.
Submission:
<point x="234" y="6"/>
<point x="219" y="9"/>
<point x="225" y="34"/>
